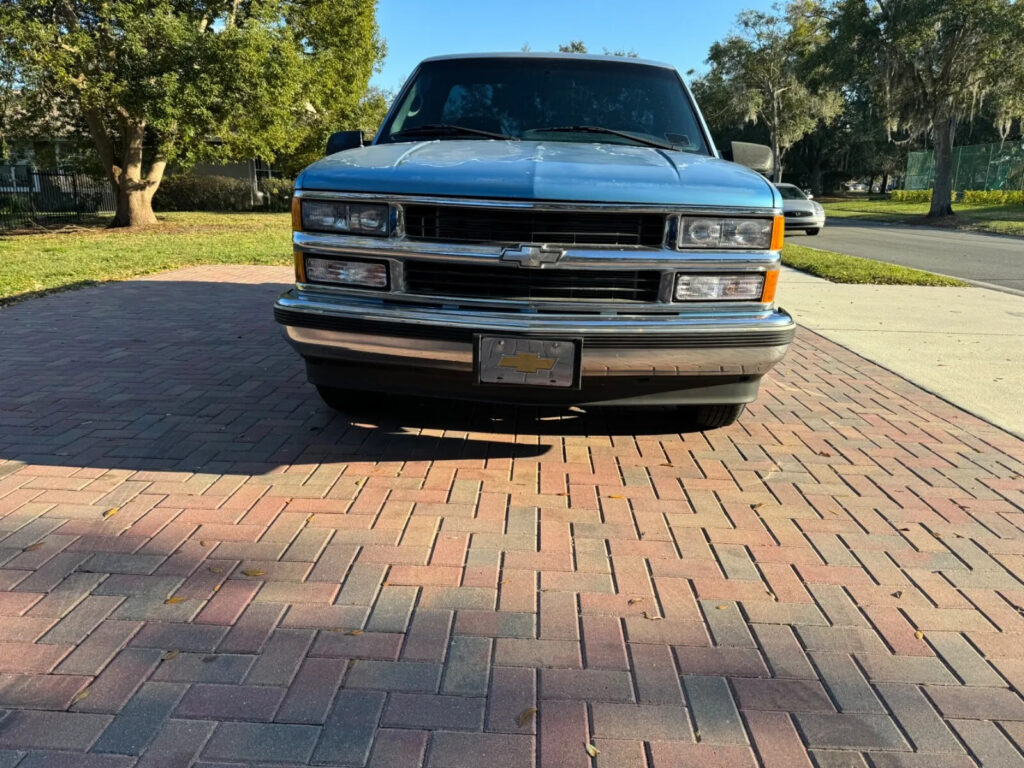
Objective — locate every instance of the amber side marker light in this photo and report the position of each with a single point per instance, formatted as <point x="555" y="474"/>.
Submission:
<point x="778" y="232"/>
<point x="771" y="280"/>
<point x="296" y="214"/>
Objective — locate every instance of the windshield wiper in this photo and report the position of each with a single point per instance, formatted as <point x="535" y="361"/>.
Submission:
<point x="602" y="129"/>
<point x="446" y="129"/>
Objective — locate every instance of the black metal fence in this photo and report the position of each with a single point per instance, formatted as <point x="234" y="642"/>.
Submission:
<point x="46" y="198"/>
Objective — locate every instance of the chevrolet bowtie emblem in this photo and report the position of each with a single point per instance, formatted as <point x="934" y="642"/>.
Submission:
<point x="527" y="362"/>
<point x="532" y="255"/>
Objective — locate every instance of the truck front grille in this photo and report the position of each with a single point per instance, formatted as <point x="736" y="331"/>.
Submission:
<point x="454" y="224"/>
<point x="438" y="278"/>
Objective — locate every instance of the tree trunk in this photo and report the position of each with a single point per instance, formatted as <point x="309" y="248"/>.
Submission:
<point x="817" y="174"/>
<point x="776" y="153"/>
<point x="884" y="186"/>
<point x="134" y="207"/>
<point x="871" y="184"/>
<point x="942" y="188"/>
<point x="135" y="192"/>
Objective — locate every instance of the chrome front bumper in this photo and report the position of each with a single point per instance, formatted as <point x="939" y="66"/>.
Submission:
<point x="690" y="344"/>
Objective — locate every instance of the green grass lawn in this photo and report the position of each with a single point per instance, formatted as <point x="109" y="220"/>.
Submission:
<point x="37" y="263"/>
<point x="840" y="268"/>
<point x="1002" y="219"/>
<point x="31" y="264"/>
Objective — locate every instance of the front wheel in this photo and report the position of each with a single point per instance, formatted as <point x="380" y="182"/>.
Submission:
<point x="814" y="231"/>
<point x="704" y="417"/>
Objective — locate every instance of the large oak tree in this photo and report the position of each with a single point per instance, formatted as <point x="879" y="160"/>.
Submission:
<point x="180" y="81"/>
<point x="932" y="64"/>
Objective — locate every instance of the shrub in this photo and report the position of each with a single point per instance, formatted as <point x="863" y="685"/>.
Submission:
<point x="186" y="192"/>
<point x="993" y="197"/>
<point x="912" y="195"/>
<point x="969" y="196"/>
<point x="278" y="194"/>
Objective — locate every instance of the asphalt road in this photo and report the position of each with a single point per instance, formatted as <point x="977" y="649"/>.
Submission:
<point x="991" y="260"/>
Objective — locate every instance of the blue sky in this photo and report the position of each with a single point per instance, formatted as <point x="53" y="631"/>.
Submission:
<point x="675" y="31"/>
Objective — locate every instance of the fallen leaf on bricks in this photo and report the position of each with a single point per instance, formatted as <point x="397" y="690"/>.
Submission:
<point x="354" y="632"/>
<point x="651" y="617"/>
<point x="825" y="454"/>
<point x="526" y="716"/>
<point x="721" y="607"/>
<point x="216" y="570"/>
<point x="202" y="543"/>
<point x="898" y="594"/>
<point x="110" y="512"/>
<point x="170" y="655"/>
<point x="254" y="572"/>
<point x="82" y="694"/>
<point x="696" y="735"/>
<point x="310" y="518"/>
<point x="614" y="496"/>
<point x="33" y="547"/>
<point x="919" y="635"/>
<point x="757" y="506"/>
<point x="173" y="600"/>
<point x="592" y="750"/>
<point x="633" y="600"/>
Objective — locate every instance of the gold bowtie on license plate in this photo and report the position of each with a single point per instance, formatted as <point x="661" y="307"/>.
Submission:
<point x="529" y="362"/>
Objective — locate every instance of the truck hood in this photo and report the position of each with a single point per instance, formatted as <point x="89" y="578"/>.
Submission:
<point x="541" y="170"/>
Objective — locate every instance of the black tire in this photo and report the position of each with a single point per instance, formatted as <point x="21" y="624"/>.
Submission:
<point x="349" y="400"/>
<point x="813" y="232"/>
<point x="704" y="417"/>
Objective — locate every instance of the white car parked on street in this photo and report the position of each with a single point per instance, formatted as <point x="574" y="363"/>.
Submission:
<point x="800" y="210"/>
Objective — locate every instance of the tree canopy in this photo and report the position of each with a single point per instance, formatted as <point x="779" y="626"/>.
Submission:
<point x="162" y="81"/>
<point x="760" y="73"/>
<point x="931" y="64"/>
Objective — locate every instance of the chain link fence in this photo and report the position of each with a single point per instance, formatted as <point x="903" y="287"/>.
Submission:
<point x="31" y="198"/>
<point x="976" y="166"/>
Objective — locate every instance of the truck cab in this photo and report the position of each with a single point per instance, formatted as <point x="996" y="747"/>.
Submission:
<point x="538" y="228"/>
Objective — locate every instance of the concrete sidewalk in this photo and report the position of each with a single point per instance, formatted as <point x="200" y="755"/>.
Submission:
<point x="963" y="344"/>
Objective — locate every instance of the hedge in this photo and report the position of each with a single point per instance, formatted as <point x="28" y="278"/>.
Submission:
<point x="186" y="192"/>
<point x="969" y="196"/>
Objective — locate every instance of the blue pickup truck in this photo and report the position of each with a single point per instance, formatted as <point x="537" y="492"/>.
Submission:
<point x="539" y="228"/>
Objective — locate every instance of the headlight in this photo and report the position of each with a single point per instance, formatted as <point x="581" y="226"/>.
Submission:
<point x="360" y="274"/>
<point x="351" y="218"/>
<point x="725" y="233"/>
<point x="719" y="287"/>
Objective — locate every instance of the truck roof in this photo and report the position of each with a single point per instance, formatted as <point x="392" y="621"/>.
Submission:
<point x="548" y="55"/>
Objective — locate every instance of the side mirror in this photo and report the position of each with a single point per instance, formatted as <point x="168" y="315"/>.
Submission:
<point x="342" y="140"/>
<point x="809" y="195"/>
<point x="757" y="157"/>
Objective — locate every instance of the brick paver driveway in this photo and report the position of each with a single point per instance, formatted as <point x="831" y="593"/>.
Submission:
<point x="198" y="562"/>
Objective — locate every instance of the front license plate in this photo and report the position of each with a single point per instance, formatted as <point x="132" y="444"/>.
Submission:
<point x="529" y="362"/>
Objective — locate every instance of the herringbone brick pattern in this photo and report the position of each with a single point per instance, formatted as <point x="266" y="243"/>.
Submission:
<point x="199" y="564"/>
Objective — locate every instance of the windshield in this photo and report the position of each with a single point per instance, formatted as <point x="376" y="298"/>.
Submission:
<point x="789" y="192"/>
<point x="550" y="100"/>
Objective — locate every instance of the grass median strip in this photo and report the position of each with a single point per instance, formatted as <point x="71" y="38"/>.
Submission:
<point x="38" y="263"/>
<point x="839" y="268"/>
<point x="999" y="219"/>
